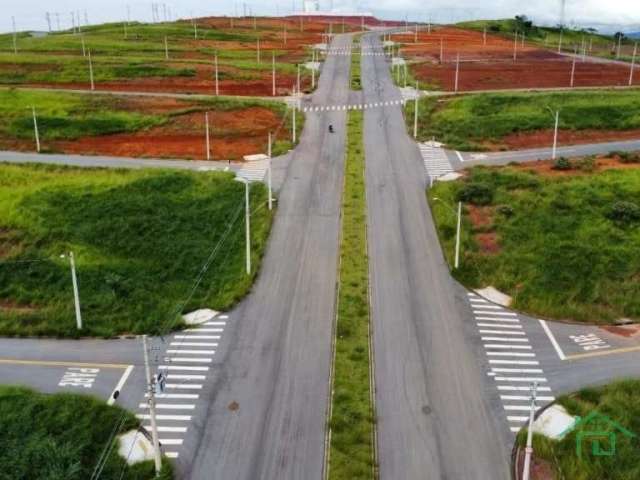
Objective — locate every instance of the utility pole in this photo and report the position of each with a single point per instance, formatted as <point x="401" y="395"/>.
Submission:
<point x="93" y="87"/>
<point x="206" y="129"/>
<point x="573" y="66"/>
<point x="313" y="76"/>
<point x="258" y="49"/>
<point x="458" y="229"/>
<point x="84" y="50"/>
<point x="195" y="30"/>
<point x="285" y="33"/>
<point x="35" y="129"/>
<point x="529" y="448"/>
<point x="415" y="116"/>
<point x="484" y="37"/>
<point x="515" y="47"/>
<point x="441" y="50"/>
<point x="298" y="80"/>
<point x="166" y="48"/>
<point x="619" y="46"/>
<point x="555" y="136"/>
<point x="15" y="36"/>
<point x="633" y="63"/>
<point x="217" y="77"/>
<point x="293" y="133"/>
<point x="269" y="173"/>
<point x="273" y="74"/>
<point x="152" y="408"/>
<point x="560" y="42"/>
<point x="457" y="72"/>
<point x="48" y="18"/>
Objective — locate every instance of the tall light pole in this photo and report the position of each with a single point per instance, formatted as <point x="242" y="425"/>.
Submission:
<point x="560" y="41"/>
<point x="15" y="36"/>
<point x="93" y="87"/>
<point x="166" y="48"/>
<point x="76" y="293"/>
<point x="247" y="223"/>
<point x="484" y="37"/>
<point x="258" y="49"/>
<point x="269" y="173"/>
<point x="152" y="408"/>
<point x="217" y="76"/>
<point x="529" y="448"/>
<point x="206" y="128"/>
<point x="457" y="72"/>
<point x="573" y="66"/>
<point x="415" y="116"/>
<point x="458" y="230"/>
<point x="84" y="50"/>
<point x="35" y="129"/>
<point x="515" y="47"/>
<point x="273" y="74"/>
<point x="633" y="63"/>
<point x="298" y="80"/>
<point x="293" y="133"/>
<point x="555" y="132"/>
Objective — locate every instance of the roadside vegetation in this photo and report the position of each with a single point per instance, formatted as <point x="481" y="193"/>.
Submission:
<point x="620" y="403"/>
<point x="483" y="121"/>
<point x="549" y="37"/>
<point x="560" y="239"/>
<point x="132" y="56"/>
<point x="62" y="436"/>
<point x="140" y="240"/>
<point x="142" y="126"/>
<point x="352" y="416"/>
<point x="356" y="80"/>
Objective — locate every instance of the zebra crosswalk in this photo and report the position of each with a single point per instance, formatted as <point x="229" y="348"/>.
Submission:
<point x="512" y="361"/>
<point x="186" y="363"/>
<point x="357" y="106"/>
<point x="436" y="162"/>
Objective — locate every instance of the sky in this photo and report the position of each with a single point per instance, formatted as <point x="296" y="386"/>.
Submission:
<point x="30" y="14"/>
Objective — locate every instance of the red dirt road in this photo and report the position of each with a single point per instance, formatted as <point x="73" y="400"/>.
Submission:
<point x="491" y="66"/>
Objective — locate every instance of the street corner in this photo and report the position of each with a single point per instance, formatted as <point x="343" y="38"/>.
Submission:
<point x="99" y="380"/>
<point x="573" y="342"/>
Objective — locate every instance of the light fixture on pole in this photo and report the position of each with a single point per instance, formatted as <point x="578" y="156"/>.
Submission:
<point x="76" y="293"/>
<point x="529" y="448"/>
<point x="35" y="129"/>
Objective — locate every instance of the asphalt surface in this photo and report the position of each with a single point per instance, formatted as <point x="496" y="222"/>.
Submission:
<point x="267" y="415"/>
<point x="433" y="418"/>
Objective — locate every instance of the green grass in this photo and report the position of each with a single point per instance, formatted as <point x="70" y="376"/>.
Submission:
<point x="356" y="80"/>
<point x="62" y="437"/>
<point x="467" y="122"/>
<point x="352" y="419"/>
<point x="140" y="239"/>
<point x="620" y="402"/>
<point x="561" y="252"/>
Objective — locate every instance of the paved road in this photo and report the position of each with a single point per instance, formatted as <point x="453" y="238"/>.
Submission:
<point x="433" y="419"/>
<point x="461" y="160"/>
<point x="267" y="416"/>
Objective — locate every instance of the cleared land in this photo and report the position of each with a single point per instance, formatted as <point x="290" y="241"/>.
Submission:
<point x="132" y="57"/>
<point x="507" y="121"/>
<point x="352" y="416"/>
<point x="619" y="402"/>
<point x="131" y="126"/>
<point x="62" y="437"/>
<point x="562" y="242"/>
<point x="140" y="239"/>
<point x="491" y="66"/>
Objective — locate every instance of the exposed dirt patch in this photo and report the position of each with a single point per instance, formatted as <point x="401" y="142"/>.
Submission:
<point x="626" y="331"/>
<point x="488" y="242"/>
<point x="233" y="134"/>
<point x="545" y="167"/>
<point x="481" y="217"/>
<point x="11" y="306"/>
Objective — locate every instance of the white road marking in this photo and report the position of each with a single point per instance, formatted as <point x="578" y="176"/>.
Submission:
<point x="521" y="408"/>
<point x="527" y="398"/>
<point x="516" y="370"/>
<point x="513" y="362"/>
<point x="170" y="406"/>
<point x="510" y="354"/>
<point x="511" y="347"/>
<point x="171" y="454"/>
<point x="215" y="323"/>
<point x="521" y="389"/>
<point x="184" y="367"/>
<point x="521" y="379"/>
<point x="120" y="385"/>
<point x="500" y="325"/>
<point x="502" y="319"/>
<point x="170" y="441"/>
<point x="196" y="344"/>
<point x="198" y="337"/>
<point x="504" y="339"/>
<point x="185" y="377"/>
<point x="176" y="418"/>
<point x="501" y="332"/>
<point x="213" y="330"/>
<point x="459" y="156"/>
<point x="193" y="352"/>
<point x="184" y="396"/>
<point x="184" y="386"/>
<point x="187" y="360"/>
<point x="552" y="339"/>
<point x="500" y="314"/>
<point x="517" y="419"/>
<point x="168" y="429"/>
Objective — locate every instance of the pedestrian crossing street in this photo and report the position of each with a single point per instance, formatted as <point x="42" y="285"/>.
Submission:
<point x="436" y="162"/>
<point x="358" y="106"/>
<point x="254" y="171"/>
<point x="512" y="362"/>
<point x="354" y="52"/>
<point x="186" y="362"/>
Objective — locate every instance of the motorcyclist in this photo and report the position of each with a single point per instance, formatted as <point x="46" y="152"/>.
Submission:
<point x="330" y="128"/>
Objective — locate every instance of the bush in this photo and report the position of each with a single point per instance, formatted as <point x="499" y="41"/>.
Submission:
<point x="476" y="193"/>
<point x="626" y="157"/>
<point x="587" y="164"/>
<point x="624" y="212"/>
<point x="562" y="164"/>
<point x="505" y="210"/>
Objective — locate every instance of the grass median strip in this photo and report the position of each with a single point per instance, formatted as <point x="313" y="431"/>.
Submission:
<point x="352" y="415"/>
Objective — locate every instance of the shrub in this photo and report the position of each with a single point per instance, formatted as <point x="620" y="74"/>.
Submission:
<point x="587" y="164"/>
<point x="562" y="164"/>
<point x="476" y="193"/>
<point x="624" y="212"/>
<point x="505" y="210"/>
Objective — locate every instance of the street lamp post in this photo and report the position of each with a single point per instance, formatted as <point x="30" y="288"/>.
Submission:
<point x="269" y="174"/>
<point x="529" y="448"/>
<point x="415" y="116"/>
<point x="76" y="293"/>
<point x="458" y="230"/>
<point x="35" y="129"/>
<point x="555" y="132"/>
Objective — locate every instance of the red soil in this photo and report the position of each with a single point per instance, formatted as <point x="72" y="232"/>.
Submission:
<point x="491" y="66"/>
<point x="534" y="139"/>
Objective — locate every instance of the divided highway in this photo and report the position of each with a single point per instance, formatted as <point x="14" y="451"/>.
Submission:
<point x="433" y="420"/>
